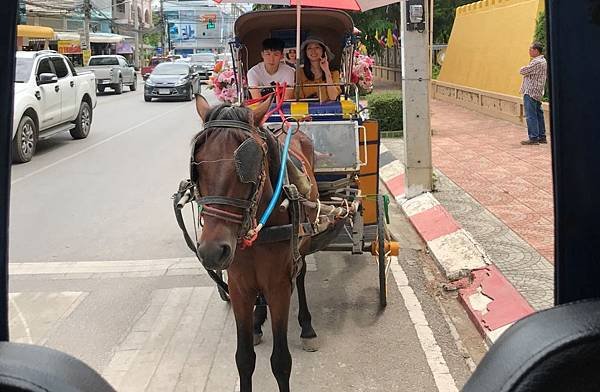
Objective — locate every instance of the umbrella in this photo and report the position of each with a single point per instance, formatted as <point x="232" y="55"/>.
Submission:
<point x="350" y="5"/>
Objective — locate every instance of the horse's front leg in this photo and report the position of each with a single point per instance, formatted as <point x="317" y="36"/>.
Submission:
<point x="308" y="334"/>
<point x="260" y="315"/>
<point x="281" y="359"/>
<point x="245" y="357"/>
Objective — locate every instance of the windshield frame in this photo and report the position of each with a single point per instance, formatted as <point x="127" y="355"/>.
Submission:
<point x="165" y="67"/>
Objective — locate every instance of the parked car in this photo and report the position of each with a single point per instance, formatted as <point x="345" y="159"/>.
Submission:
<point x="112" y="71"/>
<point x="172" y="80"/>
<point x="204" y="63"/>
<point x="50" y="97"/>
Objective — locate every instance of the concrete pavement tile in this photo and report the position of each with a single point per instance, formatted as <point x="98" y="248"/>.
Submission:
<point x="531" y="280"/>
<point x="223" y="375"/>
<point x="177" y="351"/>
<point x="419" y="204"/>
<point x="35" y="315"/>
<point x="514" y="213"/>
<point x="142" y="274"/>
<point x="491" y="195"/>
<point x="186" y="272"/>
<point x="148" y="358"/>
<point x="515" y="255"/>
<point x="538" y="233"/>
<point x="539" y="299"/>
<point x="462" y="155"/>
<point x="457" y="254"/>
<point x="480" y="224"/>
<point x="197" y="368"/>
<point x="496" y="174"/>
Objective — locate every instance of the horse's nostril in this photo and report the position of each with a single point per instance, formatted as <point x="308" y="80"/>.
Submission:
<point x="215" y="255"/>
<point x="225" y="252"/>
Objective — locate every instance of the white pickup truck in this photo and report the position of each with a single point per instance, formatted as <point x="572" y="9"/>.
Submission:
<point x="112" y="71"/>
<point x="50" y="97"/>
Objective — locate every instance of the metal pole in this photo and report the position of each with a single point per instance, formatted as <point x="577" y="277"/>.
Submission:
<point x="136" y="28"/>
<point x="8" y="13"/>
<point x="163" y="25"/>
<point x="87" y="7"/>
<point x="415" y="98"/>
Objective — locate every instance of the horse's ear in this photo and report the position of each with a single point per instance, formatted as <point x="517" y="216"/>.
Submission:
<point x="202" y="106"/>
<point x="260" y="110"/>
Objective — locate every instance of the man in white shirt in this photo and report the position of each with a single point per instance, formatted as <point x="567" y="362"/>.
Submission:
<point x="271" y="70"/>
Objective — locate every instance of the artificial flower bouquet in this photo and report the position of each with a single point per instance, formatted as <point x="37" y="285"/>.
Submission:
<point x="362" y="74"/>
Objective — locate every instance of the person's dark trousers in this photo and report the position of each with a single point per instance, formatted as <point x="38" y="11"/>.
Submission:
<point x="536" y="129"/>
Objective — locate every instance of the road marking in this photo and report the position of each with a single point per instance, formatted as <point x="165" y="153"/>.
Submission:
<point x="123" y="132"/>
<point x="113" y="268"/>
<point x="433" y="353"/>
<point x="21" y="317"/>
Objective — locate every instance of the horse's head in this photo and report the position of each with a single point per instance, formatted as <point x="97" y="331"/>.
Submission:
<point x="229" y="171"/>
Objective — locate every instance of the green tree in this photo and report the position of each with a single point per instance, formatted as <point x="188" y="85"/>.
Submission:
<point x="444" y="12"/>
<point x="377" y="20"/>
<point x="540" y="30"/>
<point x="152" y="37"/>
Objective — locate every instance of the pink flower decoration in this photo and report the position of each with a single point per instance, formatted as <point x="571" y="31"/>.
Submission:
<point x="224" y="85"/>
<point x="361" y="72"/>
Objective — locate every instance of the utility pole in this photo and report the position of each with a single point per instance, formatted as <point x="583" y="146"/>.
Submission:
<point x="136" y="28"/>
<point x="87" y="8"/>
<point x="416" y="71"/>
<point x="163" y="26"/>
<point x="87" y="49"/>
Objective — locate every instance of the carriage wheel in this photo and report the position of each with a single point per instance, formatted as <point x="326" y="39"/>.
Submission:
<point x="382" y="259"/>
<point x="222" y="293"/>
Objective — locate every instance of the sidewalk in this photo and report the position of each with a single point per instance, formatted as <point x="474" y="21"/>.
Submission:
<point x="500" y="193"/>
<point x="483" y="156"/>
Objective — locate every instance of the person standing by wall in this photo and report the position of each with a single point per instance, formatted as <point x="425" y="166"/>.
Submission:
<point x="532" y="88"/>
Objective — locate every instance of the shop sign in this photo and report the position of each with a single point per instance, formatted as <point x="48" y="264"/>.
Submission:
<point x="69" y="47"/>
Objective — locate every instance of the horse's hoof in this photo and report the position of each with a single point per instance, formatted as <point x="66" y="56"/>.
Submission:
<point x="257" y="339"/>
<point x="310" y="344"/>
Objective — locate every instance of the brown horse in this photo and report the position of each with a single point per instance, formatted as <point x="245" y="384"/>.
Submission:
<point x="235" y="166"/>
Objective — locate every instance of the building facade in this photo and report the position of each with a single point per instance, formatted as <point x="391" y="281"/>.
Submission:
<point x="113" y="29"/>
<point x="124" y="12"/>
<point x="67" y="15"/>
<point x="196" y="26"/>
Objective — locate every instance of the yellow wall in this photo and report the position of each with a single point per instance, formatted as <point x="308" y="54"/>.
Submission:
<point x="489" y="43"/>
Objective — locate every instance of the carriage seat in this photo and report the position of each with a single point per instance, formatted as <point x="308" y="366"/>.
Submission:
<point x="557" y="349"/>
<point x="326" y="111"/>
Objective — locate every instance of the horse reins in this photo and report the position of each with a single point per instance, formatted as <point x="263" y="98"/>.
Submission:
<point x="247" y="220"/>
<point x="250" y="229"/>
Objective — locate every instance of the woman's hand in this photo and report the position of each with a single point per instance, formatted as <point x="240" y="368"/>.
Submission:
<point x="324" y="63"/>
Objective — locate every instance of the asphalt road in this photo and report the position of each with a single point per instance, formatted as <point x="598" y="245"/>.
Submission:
<point x="100" y="270"/>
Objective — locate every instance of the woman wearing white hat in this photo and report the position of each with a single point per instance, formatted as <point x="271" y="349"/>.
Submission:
<point x="316" y="56"/>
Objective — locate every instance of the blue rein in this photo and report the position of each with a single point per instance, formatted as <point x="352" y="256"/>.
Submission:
<point x="279" y="186"/>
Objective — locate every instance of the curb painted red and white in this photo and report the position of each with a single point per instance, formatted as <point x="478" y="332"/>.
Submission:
<point x="492" y="303"/>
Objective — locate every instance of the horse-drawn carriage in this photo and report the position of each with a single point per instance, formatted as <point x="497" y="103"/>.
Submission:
<point x="346" y="143"/>
<point x="274" y="180"/>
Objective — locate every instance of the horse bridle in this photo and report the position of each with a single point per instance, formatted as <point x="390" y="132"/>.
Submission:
<point x="247" y="220"/>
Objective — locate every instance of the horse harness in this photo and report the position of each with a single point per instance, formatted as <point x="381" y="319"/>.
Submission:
<point x="249" y="170"/>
